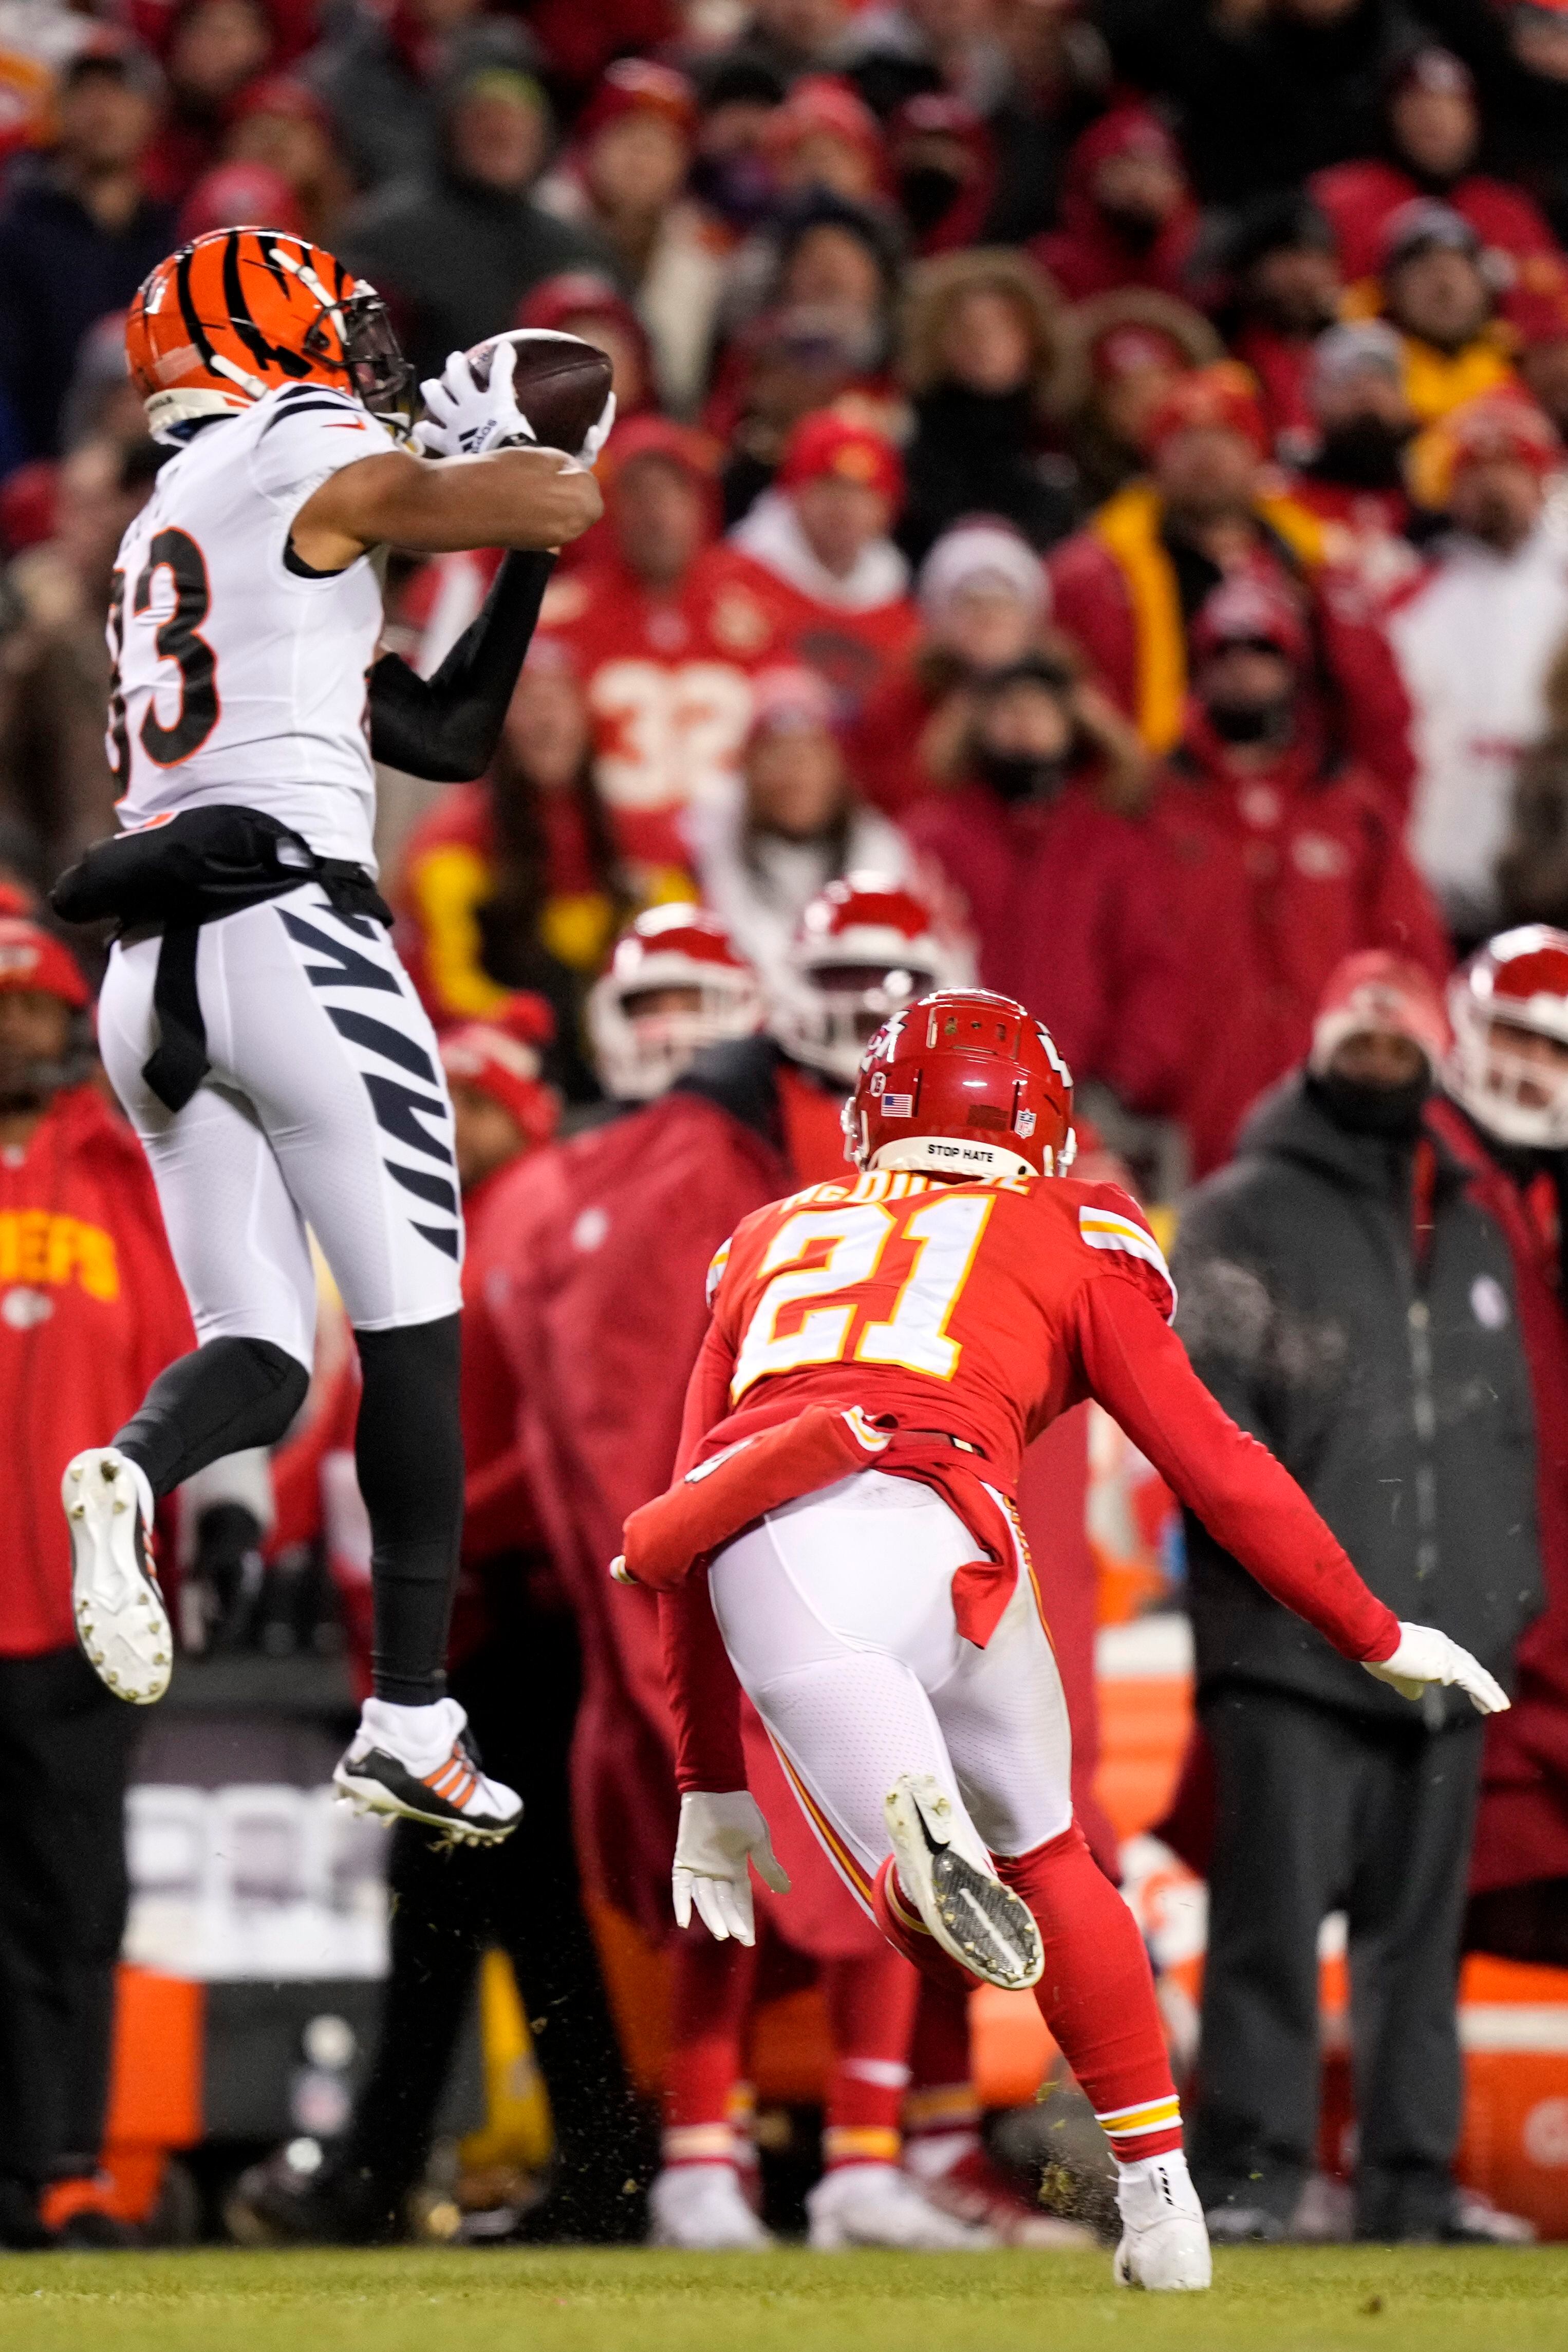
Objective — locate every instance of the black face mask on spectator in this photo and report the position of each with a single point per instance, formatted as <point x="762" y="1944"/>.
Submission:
<point x="1252" y="723"/>
<point x="1364" y="453"/>
<point x="739" y="188"/>
<point x="1016" y="776"/>
<point x="1393" y="1114"/>
<point x="927" y="195"/>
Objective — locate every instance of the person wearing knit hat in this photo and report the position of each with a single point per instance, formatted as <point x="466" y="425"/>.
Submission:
<point x="817" y="544"/>
<point x="1118" y="355"/>
<point x="586" y="303"/>
<point x="501" y="1104"/>
<point x="1347" y="1294"/>
<point x="1438" y="289"/>
<point x="1352" y="475"/>
<point x="1476" y="634"/>
<point x="1281" y="286"/>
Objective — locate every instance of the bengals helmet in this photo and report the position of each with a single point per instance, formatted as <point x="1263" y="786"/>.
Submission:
<point x="1515" y="988"/>
<point x="965" y="1084"/>
<point x="865" y="946"/>
<point x="642" y="1041"/>
<point x="242" y="312"/>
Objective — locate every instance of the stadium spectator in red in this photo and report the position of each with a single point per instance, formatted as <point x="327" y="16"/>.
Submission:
<point x="945" y="171"/>
<point x="664" y="627"/>
<point x="823" y="138"/>
<point x="1282" y="289"/>
<point x="1536" y="310"/>
<point x="1346" y="1295"/>
<point x="981" y="338"/>
<point x="1280" y="859"/>
<point x="1128" y="218"/>
<point x="984" y="600"/>
<point x="816" y="549"/>
<point x="1475" y="635"/>
<point x="80" y="227"/>
<point x="214" y="49"/>
<point x="516" y="882"/>
<point x="1353" y="475"/>
<point x="623" y="177"/>
<point x="453" y="248"/>
<point x="1431" y="145"/>
<point x="231" y="196"/>
<point x="90" y="1310"/>
<point x="1032" y="826"/>
<point x="1127" y="588"/>
<point x="1118" y="356"/>
<point x="1436" y="294"/>
<point x="279" y="121"/>
<point x="581" y="302"/>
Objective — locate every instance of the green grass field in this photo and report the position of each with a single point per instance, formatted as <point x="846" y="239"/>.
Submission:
<point x="1267" y="2300"/>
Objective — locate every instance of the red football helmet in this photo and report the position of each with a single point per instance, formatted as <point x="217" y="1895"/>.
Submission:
<point x="965" y="1083"/>
<point x="1515" y="988"/>
<point x="674" y="985"/>
<point x="865" y="948"/>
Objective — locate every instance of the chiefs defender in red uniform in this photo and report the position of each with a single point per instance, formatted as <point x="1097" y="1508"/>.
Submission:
<point x="886" y="1621"/>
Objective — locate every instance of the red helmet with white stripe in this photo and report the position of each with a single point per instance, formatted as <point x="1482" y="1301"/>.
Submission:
<point x="1509" y="1066"/>
<point x="675" y="984"/>
<point x="965" y="1083"/>
<point x="866" y="947"/>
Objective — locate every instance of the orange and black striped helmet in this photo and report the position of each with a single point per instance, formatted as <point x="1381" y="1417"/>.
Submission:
<point x="243" y="311"/>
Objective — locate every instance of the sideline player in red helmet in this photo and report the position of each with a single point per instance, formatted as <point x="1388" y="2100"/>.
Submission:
<point x="879" y="1607"/>
<point x="258" y="1026"/>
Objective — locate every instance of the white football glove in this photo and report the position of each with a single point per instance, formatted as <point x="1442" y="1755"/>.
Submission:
<point x="598" y="434"/>
<point x="717" y="1838"/>
<point x="464" y="422"/>
<point x="1424" y="1656"/>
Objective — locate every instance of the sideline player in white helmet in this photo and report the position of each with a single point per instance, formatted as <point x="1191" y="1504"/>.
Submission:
<point x="675" y="984"/>
<point x="1509" y="1063"/>
<point x="255" y="1021"/>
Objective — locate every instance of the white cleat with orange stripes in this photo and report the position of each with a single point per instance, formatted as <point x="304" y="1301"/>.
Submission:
<point x="418" y="1764"/>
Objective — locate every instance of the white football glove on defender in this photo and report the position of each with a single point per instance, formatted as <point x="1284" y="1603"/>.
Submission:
<point x="717" y="1838"/>
<point x="461" y="420"/>
<point x="1424" y="1656"/>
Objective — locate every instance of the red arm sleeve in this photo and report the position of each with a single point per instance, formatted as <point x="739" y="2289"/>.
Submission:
<point x="704" y="1696"/>
<point x="1138" y="1369"/>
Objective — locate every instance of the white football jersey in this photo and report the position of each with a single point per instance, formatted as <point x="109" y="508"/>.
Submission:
<point x="238" y="679"/>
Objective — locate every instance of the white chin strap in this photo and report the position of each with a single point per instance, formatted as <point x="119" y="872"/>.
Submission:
<point x="951" y="1155"/>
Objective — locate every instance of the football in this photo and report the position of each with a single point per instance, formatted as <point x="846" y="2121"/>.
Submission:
<point x="560" y="381"/>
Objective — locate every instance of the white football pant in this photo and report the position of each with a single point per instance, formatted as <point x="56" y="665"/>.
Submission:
<point x="326" y="1107"/>
<point x="837" y="1614"/>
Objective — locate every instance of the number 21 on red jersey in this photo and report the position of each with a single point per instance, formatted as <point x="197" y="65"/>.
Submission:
<point x="946" y="1230"/>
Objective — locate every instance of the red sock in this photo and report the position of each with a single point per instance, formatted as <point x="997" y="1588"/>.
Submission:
<point x="711" y="1992"/>
<point x="941" y="2113"/>
<point x="871" y="2014"/>
<point x="908" y="1933"/>
<point x="1097" y="1994"/>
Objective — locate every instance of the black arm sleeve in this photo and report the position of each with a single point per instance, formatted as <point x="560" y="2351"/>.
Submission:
<point x="447" y="727"/>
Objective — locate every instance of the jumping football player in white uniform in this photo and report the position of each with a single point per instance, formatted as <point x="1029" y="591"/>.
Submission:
<point x="255" y="1021"/>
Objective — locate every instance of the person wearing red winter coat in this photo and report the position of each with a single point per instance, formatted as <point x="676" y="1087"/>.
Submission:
<point x="1433" y="129"/>
<point x="1128" y="587"/>
<point x="1279" y="862"/>
<point x="90" y="1311"/>
<point x="1064" y="894"/>
<point x="1127" y="215"/>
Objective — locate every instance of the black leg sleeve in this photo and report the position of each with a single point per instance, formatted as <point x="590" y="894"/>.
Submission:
<point x="408" y="1450"/>
<point x="218" y="1400"/>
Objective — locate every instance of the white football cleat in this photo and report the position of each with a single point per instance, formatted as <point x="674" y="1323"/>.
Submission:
<point x="418" y="1764"/>
<point x="880" y="2205"/>
<point x="120" y="1621"/>
<point x="948" y="1876"/>
<point x="701" y="2209"/>
<point x="1165" y="2244"/>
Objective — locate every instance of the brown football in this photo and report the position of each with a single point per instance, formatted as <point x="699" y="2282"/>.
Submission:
<point x="560" y="383"/>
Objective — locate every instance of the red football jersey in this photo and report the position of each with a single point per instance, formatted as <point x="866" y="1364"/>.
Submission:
<point x="948" y="1306"/>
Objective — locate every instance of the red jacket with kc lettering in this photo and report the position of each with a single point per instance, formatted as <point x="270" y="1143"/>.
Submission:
<point x="90" y="1312"/>
<point x="973" y="1315"/>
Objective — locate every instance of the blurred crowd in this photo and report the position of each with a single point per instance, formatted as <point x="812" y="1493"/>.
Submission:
<point x="1089" y="510"/>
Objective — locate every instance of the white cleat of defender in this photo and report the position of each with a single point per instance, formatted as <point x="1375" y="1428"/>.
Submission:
<point x="701" y="2209"/>
<point x="120" y="1621"/>
<point x="1164" y="2243"/>
<point x="418" y="1764"/>
<point x="948" y="1876"/>
<point x="878" y="2205"/>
